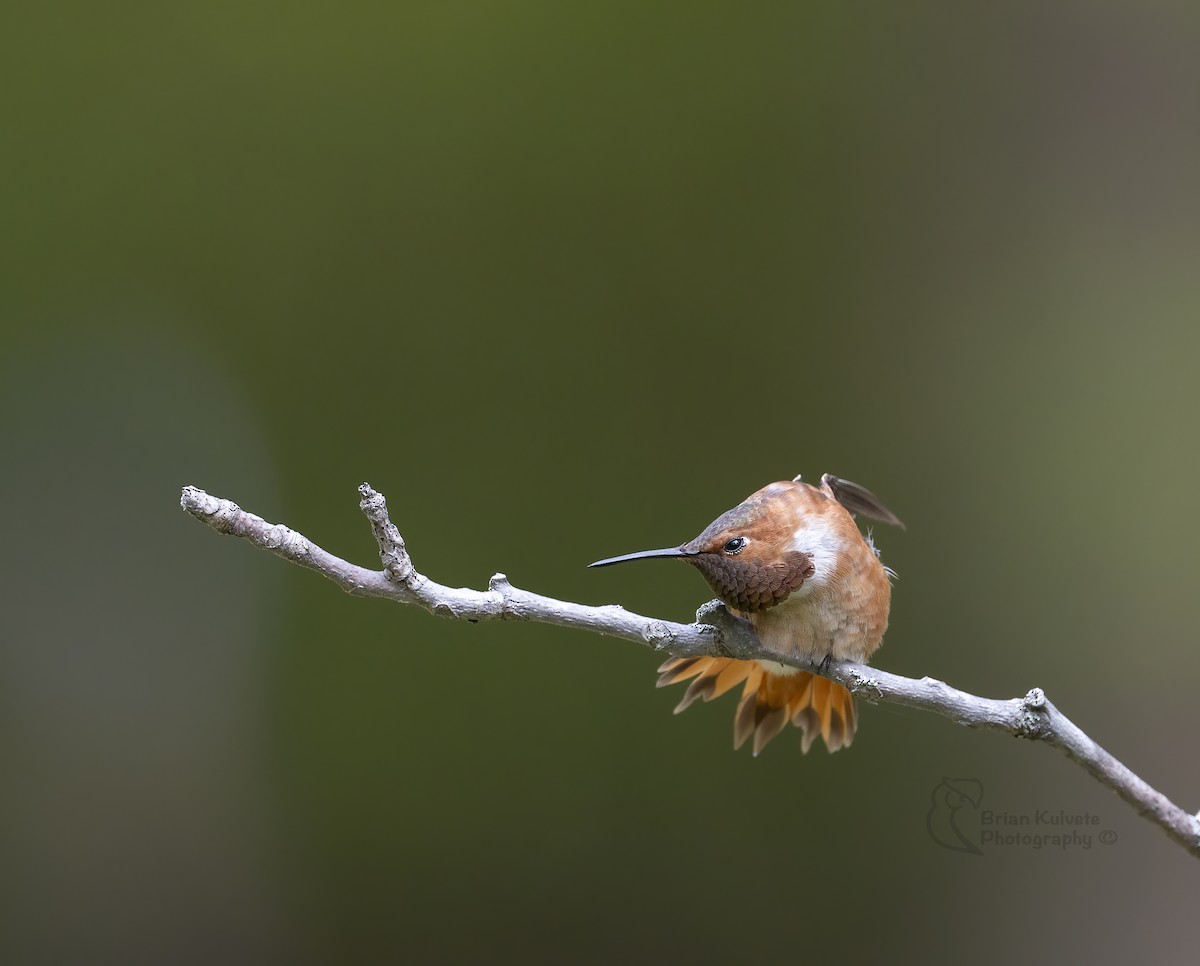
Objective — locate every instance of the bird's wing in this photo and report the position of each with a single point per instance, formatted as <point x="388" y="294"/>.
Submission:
<point x="858" y="499"/>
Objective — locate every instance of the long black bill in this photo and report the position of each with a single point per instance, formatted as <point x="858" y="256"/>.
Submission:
<point x="645" y="555"/>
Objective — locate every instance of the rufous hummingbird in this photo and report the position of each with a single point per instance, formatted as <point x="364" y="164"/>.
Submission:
<point x="792" y="561"/>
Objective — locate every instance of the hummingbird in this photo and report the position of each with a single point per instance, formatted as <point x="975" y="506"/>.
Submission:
<point x="791" y="559"/>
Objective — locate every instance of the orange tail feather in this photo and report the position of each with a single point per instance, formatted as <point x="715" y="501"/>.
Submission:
<point x="769" y="700"/>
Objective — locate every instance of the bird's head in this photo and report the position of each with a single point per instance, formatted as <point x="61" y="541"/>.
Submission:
<point x="748" y="555"/>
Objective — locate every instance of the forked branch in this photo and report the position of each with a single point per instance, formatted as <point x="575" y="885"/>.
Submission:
<point x="716" y="632"/>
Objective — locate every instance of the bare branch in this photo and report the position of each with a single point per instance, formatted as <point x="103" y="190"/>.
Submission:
<point x="716" y="632"/>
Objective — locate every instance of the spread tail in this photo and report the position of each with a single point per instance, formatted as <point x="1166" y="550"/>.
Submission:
<point x="769" y="701"/>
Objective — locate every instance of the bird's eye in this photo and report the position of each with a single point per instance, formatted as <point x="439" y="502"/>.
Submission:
<point x="735" y="545"/>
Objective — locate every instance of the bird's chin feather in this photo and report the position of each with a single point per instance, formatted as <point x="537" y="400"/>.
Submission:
<point x="750" y="585"/>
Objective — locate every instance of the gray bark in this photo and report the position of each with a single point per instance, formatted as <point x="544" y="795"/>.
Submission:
<point x="715" y="632"/>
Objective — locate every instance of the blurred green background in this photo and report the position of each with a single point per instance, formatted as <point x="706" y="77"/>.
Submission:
<point x="564" y="281"/>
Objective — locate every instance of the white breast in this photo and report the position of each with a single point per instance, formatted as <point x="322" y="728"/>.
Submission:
<point x="818" y="540"/>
